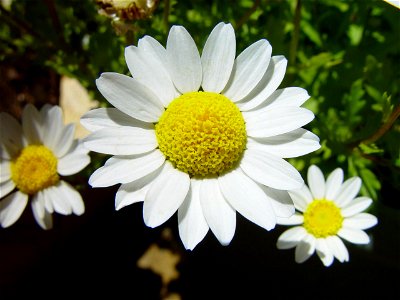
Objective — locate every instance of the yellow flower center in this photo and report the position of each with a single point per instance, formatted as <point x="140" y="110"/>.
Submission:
<point x="34" y="169"/>
<point x="322" y="218"/>
<point x="202" y="133"/>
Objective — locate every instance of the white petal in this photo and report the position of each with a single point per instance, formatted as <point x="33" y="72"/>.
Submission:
<point x="337" y="248"/>
<point x="10" y="138"/>
<point x="248" y="70"/>
<point x="270" y="170"/>
<point x="305" y="249"/>
<point x="44" y="111"/>
<point x="4" y="153"/>
<point x="183" y="60"/>
<point x="165" y="196"/>
<point x="127" y="196"/>
<point x="52" y="126"/>
<point x="324" y="252"/>
<point x="31" y="124"/>
<point x="74" y="161"/>
<point x="47" y="222"/>
<point x="73" y="197"/>
<point x="356" y="206"/>
<point x="295" y="219"/>
<point x="42" y="217"/>
<point x="192" y="224"/>
<point x="316" y="182"/>
<point x="220" y="215"/>
<point x="360" y="221"/>
<point x="333" y="184"/>
<point x="121" y="140"/>
<point x="292" y="144"/>
<point x="276" y="121"/>
<point x="280" y="200"/>
<point x="11" y="208"/>
<point x="151" y="45"/>
<point x="348" y="191"/>
<point x="301" y="198"/>
<point x="126" y="169"/>
<point x="130" y="96"/>
<point x="59" y="201"/>
<point x="37" y="205"/>
<point x="6" y="187"/>
<point x="290" y="96"/>
<point x="13" y="127"/>
<point x="218" y="57"/>
<point x="248" y="198"/>
<point x="267" y="85"/>
<point x="110" y="117"/>
<point x="65" y="141"/>
<point x="5" y="170"/>
<point x="135" y="191"/>
<point x="291" y="237"/>
<point x="48" y="205"/>
<point x="355" y="236"/>
<point x="147" y="69"/>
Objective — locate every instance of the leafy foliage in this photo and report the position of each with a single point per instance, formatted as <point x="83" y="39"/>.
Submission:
<point x="345" y="53"/>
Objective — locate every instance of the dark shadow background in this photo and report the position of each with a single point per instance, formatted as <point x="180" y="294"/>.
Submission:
<point x="95" y="255"/>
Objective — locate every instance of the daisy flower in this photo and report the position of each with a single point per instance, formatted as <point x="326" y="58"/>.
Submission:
<point x="330" y="211"/>
<point x="202" y="135"/>
<point x="32" y="158"/>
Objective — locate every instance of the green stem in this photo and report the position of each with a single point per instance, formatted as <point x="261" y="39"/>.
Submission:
<point x="248" y="14"/>
<point x="19" y="24"/>
<point x="55" y="20"/>
<point x="296" y="31"/>
<point x="166" y="15"/>
<point x="384" y="128"/>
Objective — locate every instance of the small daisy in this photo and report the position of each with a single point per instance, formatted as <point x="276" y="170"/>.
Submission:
<point x="32" y="158"/>
<point x="202" y="135"/>
<point x="330" y="210"/>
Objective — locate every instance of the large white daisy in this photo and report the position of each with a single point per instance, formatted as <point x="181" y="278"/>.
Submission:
<point x="328" y="211"/>
<point x="32" y="159"/>
<point x="205" y="135"/>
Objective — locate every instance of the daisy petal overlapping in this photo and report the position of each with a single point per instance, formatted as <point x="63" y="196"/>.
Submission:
<point x="255" y="184"/>
<point x="328" y="211"/>
<point x="33" y="157"/>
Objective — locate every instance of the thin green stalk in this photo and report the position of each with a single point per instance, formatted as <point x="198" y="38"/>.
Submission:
<point x="166" y="14"/>
<point x="55" y="20"/>
<point x="296" y="32"/>
<point x="384" y="128"/>
<point x="248" y="14"/>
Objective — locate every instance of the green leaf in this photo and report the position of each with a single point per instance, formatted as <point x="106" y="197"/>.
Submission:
<point x="370" y="149"/>
<point x="311" y="33"/>
<point x="371" y="184"/>
<point x="355" y="34"/>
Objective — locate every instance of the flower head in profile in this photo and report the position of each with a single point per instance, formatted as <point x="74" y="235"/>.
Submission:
<point x="33" y="156"/>
<point x="329" y="211"/>
<point x="202" y="135"/>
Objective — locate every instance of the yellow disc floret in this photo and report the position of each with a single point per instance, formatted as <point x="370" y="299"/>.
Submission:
<point x="34" y="169"/>
<point x="322" y="218"/>
<point x="202" y="133"/>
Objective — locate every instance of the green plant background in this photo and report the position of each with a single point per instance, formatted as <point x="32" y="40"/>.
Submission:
<point x="346" y="54"/>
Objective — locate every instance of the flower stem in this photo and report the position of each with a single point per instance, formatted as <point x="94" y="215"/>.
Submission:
<point x="295" y="38"/>
<point x="51" y="7"/>
<point x="166" y="15"/>
<point x="384" y="128"/>
<point x="19" y="24"/>
<point x="248" y="14"/>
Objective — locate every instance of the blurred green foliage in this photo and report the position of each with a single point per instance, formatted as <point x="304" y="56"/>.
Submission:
<point x="345" y="53"/>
